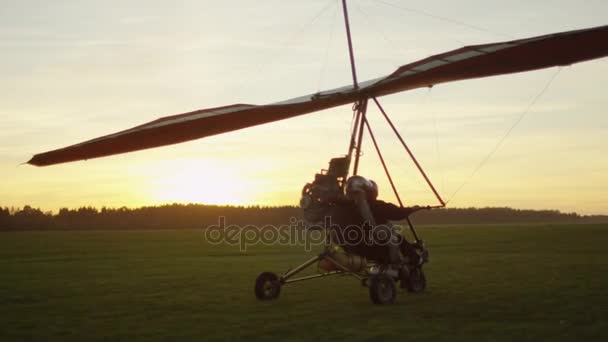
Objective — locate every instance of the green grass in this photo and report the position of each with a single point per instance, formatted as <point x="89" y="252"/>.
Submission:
<point x="494" y="283"/>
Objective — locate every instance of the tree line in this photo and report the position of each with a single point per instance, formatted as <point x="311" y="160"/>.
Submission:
<point x="189" y="216"/>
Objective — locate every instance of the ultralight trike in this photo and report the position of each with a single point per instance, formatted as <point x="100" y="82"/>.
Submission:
<point x="379" y="277"/>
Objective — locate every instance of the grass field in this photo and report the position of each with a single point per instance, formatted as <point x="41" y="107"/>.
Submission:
<point x="494" y="283"/>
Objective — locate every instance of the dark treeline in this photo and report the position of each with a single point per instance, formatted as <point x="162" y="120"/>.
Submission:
<point x="173" y="216"/>
<point x="187" y="216"/>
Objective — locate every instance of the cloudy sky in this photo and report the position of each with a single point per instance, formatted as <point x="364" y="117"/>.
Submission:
<point x="75" y="70"/>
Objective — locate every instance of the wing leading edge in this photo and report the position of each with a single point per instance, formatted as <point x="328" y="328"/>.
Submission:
<point x="558" y="49"/>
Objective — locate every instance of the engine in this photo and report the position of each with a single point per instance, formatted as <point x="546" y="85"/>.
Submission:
<point x="326" y="189"/>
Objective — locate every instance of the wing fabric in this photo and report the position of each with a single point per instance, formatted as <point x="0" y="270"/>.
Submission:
<point x="558" y="49"/>
<point x="180" y="128"/>
<point x="470" y="62"/>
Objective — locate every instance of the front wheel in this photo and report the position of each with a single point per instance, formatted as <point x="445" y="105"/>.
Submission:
<point x="416" y="280"/>
<point x="267" y="286"/>
<point x="382" y="289"/>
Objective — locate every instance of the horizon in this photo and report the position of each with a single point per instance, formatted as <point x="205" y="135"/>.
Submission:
<point x="75" y="71"/>
<point x="13" y="209"/>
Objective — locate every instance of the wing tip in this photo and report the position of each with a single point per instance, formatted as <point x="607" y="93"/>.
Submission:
<point x="33" y="161"/>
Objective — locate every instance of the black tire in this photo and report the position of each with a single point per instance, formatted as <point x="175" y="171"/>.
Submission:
<point x="404" y="274"/>
<point x="267" y="286"/>
<point x="416" y="280"/>
<point x="382" y="289"/>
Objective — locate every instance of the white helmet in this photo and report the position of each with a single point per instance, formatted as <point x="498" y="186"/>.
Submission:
<point x="357" y="184"/>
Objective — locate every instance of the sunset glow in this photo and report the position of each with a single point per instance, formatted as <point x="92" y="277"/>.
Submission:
<point x="69" y="77"/>
<point x="192" y="181"/>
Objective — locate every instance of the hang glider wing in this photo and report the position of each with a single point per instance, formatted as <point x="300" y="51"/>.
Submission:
<point x="470" y="62"/>
<point x="558" y="49"/>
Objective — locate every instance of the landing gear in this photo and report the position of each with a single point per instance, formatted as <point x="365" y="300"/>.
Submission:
<point x="382" y="289"/>
<point x="415" y="281"/>
<point x="267" y="286"/>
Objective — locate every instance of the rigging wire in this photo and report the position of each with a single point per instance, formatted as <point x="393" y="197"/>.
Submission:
<point x="292" y="38"/>
<point x="327" y="48"/>
<point x="507" y="133"/>
<point x="437" y="149"/>
<point x="442" y="18"/>
<point x="376" y="27"/>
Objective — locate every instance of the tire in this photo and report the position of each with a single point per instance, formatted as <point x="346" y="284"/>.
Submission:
<point x="267" y="286"/>
<point x="382" y="289"/>
<point x="416" y="281"/>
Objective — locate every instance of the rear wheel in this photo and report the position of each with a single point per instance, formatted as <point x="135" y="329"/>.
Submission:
<point x="267" y="286"/>
<point x="382" y="289"/>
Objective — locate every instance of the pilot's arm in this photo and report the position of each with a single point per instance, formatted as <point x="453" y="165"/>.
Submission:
<point x="392" y="212"/>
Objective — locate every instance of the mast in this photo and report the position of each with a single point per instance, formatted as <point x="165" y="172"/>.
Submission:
<point x="360" y="107"/>
<point x="353" y="68"/>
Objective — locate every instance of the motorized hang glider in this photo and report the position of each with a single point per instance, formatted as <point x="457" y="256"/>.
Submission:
<point x="557" y="49"/>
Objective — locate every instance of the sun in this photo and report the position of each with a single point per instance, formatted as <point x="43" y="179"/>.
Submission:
<point x="196" y="181"/>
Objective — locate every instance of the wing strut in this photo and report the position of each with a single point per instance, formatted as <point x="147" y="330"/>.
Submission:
<point x="360" y="109"/>
<point x="409" y="152"/>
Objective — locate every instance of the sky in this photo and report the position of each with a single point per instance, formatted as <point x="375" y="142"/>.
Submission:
<point x="75" y="70"/>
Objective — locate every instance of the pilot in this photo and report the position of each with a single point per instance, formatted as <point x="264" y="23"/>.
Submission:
<point x="364" y="223"/>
